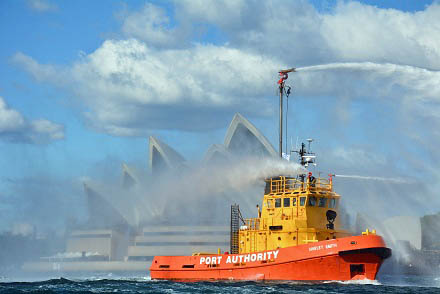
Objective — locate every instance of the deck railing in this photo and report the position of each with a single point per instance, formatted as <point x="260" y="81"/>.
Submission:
<point x="252" y="224"/>
<point x="285" y="184"/>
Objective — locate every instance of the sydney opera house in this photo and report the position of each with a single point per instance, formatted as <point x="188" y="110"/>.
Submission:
<point x="126" y="228"/>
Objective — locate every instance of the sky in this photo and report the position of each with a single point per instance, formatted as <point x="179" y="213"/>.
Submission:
<point x="84" y="83"/>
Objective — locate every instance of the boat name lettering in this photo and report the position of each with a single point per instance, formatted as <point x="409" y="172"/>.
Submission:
<point x="320" y="247"/>
<point x="333" y="245"/>
<point x="211" y="259"/>
<point x="240" y="258"/>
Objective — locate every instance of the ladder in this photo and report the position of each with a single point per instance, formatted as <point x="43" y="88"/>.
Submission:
<point x="235" y="228"/>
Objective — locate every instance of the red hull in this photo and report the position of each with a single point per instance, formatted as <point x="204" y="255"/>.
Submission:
<point x="357" y="257"/>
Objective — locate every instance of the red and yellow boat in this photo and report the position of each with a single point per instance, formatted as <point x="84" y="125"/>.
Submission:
<point x="296" y="236"/>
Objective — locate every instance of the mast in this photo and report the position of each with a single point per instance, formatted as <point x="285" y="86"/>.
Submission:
<point x="283" y="77"/>
<point x="281" y="120"/>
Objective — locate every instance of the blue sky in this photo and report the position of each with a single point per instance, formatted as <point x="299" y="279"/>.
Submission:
<point x="86" y="82"/>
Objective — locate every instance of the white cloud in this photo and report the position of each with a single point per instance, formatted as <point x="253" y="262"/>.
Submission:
<point x="45" y="130"/>
<point x="356" y="32"/>
<point x="227" y="14"/>
<point x="152" y="25"/>
<point x="161" y="80"/>
<point x="10" y="119"/>
<point x="42" y="5"/>
<point x="130" y="88"/>
<point x="16" y="129"/>
<point x="41" y="72"/>
<point x="297" y="33"/>
<point x="288" y="30"/>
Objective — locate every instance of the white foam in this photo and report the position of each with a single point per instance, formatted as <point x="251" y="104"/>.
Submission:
<point x="357" y="282"/>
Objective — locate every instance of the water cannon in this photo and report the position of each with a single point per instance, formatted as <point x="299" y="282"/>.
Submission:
<point x="284" y="75"/>
<point x="287" y="70"/>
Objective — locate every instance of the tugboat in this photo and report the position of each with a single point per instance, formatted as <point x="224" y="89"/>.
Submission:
<point x="296" y="236"/>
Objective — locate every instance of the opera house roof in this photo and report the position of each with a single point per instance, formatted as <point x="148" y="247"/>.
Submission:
<point x="129" y="178"/>
<point x="162" y="156"/>
<point x="242" y="138"/>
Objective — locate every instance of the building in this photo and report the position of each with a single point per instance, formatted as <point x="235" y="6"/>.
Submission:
<point x="430" y="232"/>
<point x="177" y="240"/>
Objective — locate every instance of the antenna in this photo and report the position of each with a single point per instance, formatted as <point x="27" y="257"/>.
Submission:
<point x="310" y="141"/>
<point x="291" y="143"/>
<point x="306" y="157"/>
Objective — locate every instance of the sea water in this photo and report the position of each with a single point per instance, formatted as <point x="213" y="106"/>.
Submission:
<point x="109" y="283"/>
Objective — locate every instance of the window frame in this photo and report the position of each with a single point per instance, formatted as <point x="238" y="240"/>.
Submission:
<point x="270" y="203"/>
<point x="310" y="200"/>
<point x="322" y="200"/>
<point x="332" y="203"/>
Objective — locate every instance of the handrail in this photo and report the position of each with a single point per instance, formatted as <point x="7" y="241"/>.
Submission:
<point x="252" y="224"/>
<point x="284" y="184"/>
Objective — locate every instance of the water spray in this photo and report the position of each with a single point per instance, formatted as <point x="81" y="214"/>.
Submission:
<point x="394" y="180"/>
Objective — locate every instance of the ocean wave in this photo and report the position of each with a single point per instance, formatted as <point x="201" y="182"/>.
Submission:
<point x="129" y="284"/>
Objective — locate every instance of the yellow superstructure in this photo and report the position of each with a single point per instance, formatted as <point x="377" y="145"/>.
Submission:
<point x="294" y="211"/>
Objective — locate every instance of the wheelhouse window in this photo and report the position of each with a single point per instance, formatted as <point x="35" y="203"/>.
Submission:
<point x="278" y="202"/>
<point x="286" y="202"/>
<point x="332" y="203"/>
<point x="312" y="201"/>
<point x="302" y="201"/>
<point x="322" y="202"/>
